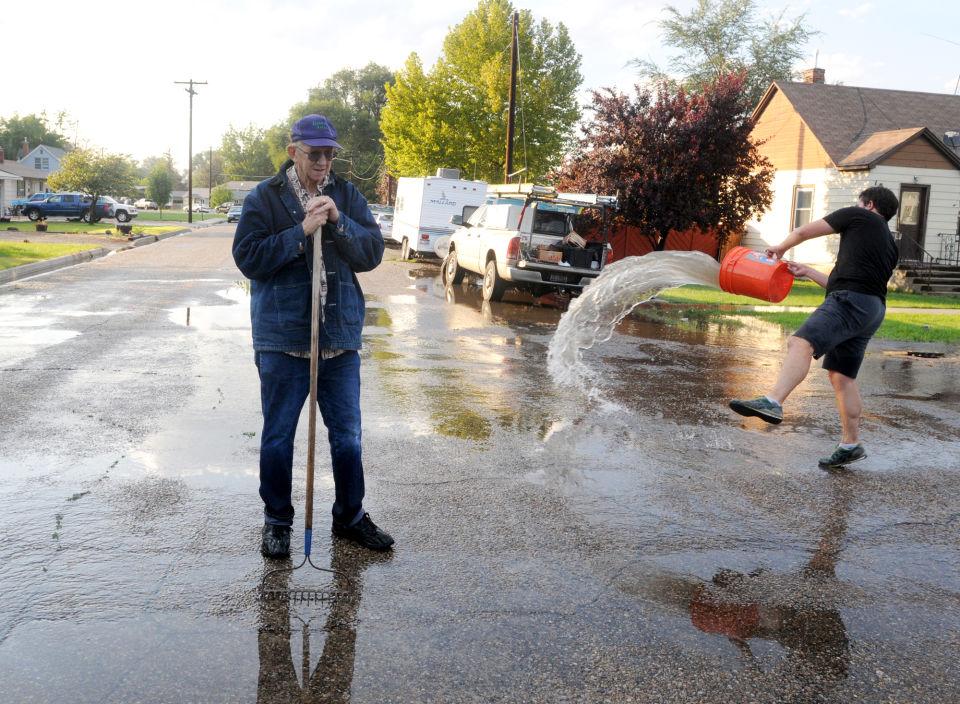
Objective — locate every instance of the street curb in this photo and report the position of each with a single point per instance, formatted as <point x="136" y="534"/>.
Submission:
<point x="47" y="265"/>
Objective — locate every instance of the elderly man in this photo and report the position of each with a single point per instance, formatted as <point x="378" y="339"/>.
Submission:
<point x="284" y="218"/>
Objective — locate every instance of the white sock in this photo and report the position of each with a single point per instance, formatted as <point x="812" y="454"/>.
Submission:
<point x="777" y="403"/>
<point x="847" y="445"/>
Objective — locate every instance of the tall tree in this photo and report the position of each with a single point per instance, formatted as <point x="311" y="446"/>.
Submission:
<point x="455" y="115"/>
<point x="96" y="173"/>
<point x="160" y="184"/>
<point x="202" y="171"/>
<point x="352" y="99"/>
<point x="147" y="166"/>
<point x="675" y="159"/>
<point x="246" y="154"/>
<point x="718" y="37"/>
<point x="35" y="129"/>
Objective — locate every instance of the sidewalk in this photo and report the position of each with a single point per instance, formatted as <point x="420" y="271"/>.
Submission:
<point x="106" y="245"/>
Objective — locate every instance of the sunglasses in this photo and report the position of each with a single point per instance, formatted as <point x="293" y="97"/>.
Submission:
<point x="327" y="153"/>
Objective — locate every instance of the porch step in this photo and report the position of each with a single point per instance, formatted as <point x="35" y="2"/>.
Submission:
<point x="935" y="279"/>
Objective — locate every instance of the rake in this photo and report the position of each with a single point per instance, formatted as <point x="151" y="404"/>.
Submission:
<point x="304" y="594"/>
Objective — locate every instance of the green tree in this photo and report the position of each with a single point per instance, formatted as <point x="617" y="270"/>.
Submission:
<point x="455" y="115"/>
<point x="352" y="99"/>
<point x="160" y="184"/>
<point x="220" y="194"/>
<point x="177" y="181"/>
<point x="246" y="154"/>
<point x="96" y="173"/>
<point x="719" y="37"/>
<point x="202" y="171"/>
<point x="35" y="129"/>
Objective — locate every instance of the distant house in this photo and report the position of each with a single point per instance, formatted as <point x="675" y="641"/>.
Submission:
<point x="240" y="189"/>
<point x="43" y="158"/>
<point x="18" y="181"/>
<point x="829" y="142"/>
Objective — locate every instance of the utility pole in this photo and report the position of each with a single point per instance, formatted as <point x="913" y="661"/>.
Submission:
<point x="210" y="164"/>
<point x="192" y="93"/>
<point x="514" y="59"/>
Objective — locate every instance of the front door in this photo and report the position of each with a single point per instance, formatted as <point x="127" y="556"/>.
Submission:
<point x="912" y="221"/>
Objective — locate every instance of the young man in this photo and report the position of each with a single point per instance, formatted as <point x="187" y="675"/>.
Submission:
<point x="841" y="327"/>
<point x="305" y="206"/>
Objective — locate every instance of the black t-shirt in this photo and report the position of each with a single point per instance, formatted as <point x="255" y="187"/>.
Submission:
<point x="868" y="253"/>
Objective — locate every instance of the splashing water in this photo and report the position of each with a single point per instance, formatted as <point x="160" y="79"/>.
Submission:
<point x="621" y="287"/>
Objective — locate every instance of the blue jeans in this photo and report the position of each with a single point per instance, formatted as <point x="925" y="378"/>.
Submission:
<point x="284" y="386"/>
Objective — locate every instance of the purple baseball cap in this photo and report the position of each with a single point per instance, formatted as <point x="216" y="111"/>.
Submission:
<point x="314" y="131"/>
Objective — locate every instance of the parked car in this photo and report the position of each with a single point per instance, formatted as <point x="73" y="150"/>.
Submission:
<point x="107" y="207"/>
<point x="146" y="204"/>
<point x="77" y="205"/>
<point x="198" y="208"/>
<point x="233" y="215"/>
<point x="385" y="221"/>
<point x="529" y="244"/>
<point x="20" y="204"/>
<point x="223" y="207"/>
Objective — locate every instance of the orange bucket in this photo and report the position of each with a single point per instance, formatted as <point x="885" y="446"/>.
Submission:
<point x="748" y="273"/>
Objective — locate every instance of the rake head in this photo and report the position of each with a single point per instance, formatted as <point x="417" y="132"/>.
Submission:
<point x="295" y="594"/>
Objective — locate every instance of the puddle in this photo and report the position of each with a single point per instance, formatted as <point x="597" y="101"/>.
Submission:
<point x="26" y="330"/>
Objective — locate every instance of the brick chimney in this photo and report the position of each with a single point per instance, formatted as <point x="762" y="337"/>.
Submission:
<point x="814" y="75"/>
<point x="25" y="149"/>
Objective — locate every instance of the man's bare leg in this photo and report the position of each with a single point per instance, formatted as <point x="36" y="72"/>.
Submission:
<point x="850" y="405"/>
<point x="795" y="367"/>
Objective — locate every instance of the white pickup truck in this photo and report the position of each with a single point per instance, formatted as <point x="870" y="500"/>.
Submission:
<point x="519" y="242"/>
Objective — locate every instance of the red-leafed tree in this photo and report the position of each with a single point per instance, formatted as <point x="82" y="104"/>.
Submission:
<point x="676" y="160"/>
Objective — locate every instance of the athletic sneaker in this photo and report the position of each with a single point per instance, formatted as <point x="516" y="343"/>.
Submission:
<point x="761" y="407"/>
<point x="842" y="457"/>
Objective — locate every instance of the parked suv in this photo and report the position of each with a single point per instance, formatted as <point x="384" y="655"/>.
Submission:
<point x="77" y="205"/>
<point x="528" y="241"/>
<point x="145" y="204"/>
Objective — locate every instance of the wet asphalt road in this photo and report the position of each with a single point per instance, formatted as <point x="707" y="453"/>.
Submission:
<point x="639" y="544"/>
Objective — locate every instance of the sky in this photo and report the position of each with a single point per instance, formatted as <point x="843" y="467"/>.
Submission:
<point x="113" y="66"/>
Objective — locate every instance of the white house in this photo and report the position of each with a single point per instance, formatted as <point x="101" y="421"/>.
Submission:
<point x="830" y="142"/>
<point x="18" y="181"/>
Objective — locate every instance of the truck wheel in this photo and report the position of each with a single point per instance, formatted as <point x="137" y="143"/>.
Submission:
<point x="85" y="216"/>
<point x="122" y="216"/>
<point x="452" y="271"/>
<point x="33" y="214"/>
<point x="493" y="285"/>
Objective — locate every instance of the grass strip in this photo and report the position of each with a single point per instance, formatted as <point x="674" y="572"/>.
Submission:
<point x="18" y="253"/>
<point x="803" y="293"/>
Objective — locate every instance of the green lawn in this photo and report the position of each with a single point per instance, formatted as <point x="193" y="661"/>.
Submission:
<point x="803" y="293"/>
<point x="103" y="227"/>
<point x="176" y="216"/>
<point x="906" y="327"/>
<point x="17" y="253"/>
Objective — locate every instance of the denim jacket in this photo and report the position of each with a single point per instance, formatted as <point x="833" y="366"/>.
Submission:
<point x="271" y="250"/>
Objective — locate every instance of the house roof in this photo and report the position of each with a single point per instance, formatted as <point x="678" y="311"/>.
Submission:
<point x="22" y="170"/>
<point x="857" y="127"/>
<point x="55" y="152"/>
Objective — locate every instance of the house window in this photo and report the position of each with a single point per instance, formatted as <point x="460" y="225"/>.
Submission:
<point x="802" y="205"/>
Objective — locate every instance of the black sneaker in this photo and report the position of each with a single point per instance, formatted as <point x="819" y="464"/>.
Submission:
<point x="842" y="457"/>
<point x="761" y="407"/>
<point x="365" y="533"/>
<point x="276" y="541"/>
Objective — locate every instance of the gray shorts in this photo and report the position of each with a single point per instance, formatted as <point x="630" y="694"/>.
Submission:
<point x="840" y="329"/>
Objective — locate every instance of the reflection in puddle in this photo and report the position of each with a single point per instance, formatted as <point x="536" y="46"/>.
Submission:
<point x="285" y="636"/>
<point x="27" y="330"/>
<point x="218" y="317"/>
